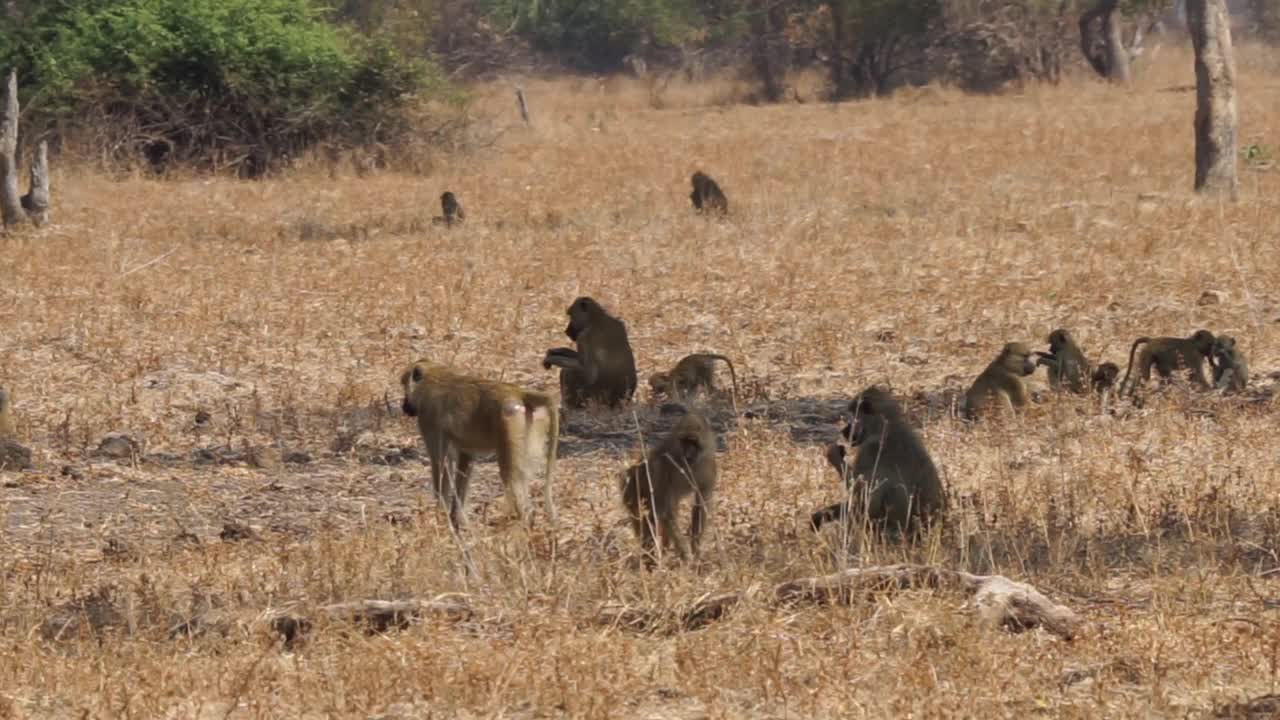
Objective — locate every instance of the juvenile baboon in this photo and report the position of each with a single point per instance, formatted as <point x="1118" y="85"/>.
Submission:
<point x="7" y="428"/>
<point x="707" y="195"/>
<point x="1168" y="354"/>
<point x="683" y="464"/>
<point x="892" y="478"/>
<point x="693" y="372"/>
<point x="1104" y="377"/>
<point x="1230" y="368"/>
<point x="460" y="416"/>
<point x="1001" y="385"/>
<point x="1067" y="365"/>
<point x="451" y="210"/>
<point x="602" y="368"/>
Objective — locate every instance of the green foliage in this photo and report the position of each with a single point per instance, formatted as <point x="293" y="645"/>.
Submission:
<point x="207" y="77"/>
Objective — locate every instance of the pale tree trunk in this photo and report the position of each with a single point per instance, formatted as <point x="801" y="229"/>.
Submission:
<point x="1113" y="62"/>
<point x="1215" y="124"/>
<point x="36" y="201"/>
<point x="10" y="205"/>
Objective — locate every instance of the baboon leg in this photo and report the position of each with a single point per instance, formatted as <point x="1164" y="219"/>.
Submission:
<point x="572" y="384"/>
<point x="671" y="534"/>
<point x="442" y="477"/>
<point x="701" y="514"/>
<point x="892" y="504"/>
<point x="830" y="513"/>
<point x="461" y="483"/>
<point x="513" y="460"/>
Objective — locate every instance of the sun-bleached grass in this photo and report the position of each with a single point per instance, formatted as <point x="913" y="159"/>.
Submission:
<point x="899" y="241"/>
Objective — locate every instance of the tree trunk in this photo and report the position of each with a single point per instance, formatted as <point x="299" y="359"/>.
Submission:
<point x="1112" y="62"/>
<point x="10" y="204"/>
<point x="36" y="201"/>
<point x="1215" y="123"/>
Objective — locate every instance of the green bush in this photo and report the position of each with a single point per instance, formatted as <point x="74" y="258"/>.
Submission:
<point x="216" y="82"/>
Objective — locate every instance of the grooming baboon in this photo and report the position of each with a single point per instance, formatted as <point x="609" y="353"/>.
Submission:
<point x="602" y="369"/>
<point x="892" y="480"/>
<point x="1167" y="354"/>
<point x="707" y="195"/>
<point x="1067" y="365"/>
<point x="460" y="416"/>
<point x="451" y="210"/>
<point x="683" y="464"/>
<point x="1230" y="369"/>
<point x="7" y="428"/>
<point x="1104" y="377"/>
<point x="1001" y="385"/>
<point x="693" y="372"/>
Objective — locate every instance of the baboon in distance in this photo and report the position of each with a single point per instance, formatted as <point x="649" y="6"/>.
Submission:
<point x="1230" y="369"/>
<point x="693" y="372"/>
<point x="602" y="369"/>
<point x="7" y="428"/>
<point x="683" y="464"/>
<point x="707" y="195"/>
<point x="1001" y="383"/>
<point x="893" y="480"/>
<point x="460" y="416"/>
<point x="1167" y="354"/>
<point x="451" y="210"/>
<point x="1104" y="377"/>
<point x="1067" y="365"/>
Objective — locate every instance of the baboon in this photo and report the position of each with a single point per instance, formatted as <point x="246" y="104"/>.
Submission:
<point x="892" y="478"/>
<point x="7" y="428"/>
<point x="707" y="195"/>
<point x="460" y="416"/>
<point x="683" y="464"/>
<point x="1167" y="354"/>
<point x="451" y="210"/>
<point x="1230" y="369"/>
<point x="1104" y="377"/>
<point x="1001" y="383"/>
<point x="602" y="369"/>
<point x="1066" y="363"/>
<point x="693" y="372"/>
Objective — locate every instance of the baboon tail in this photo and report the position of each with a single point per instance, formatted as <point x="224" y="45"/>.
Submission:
<point x="1129" y="368"/>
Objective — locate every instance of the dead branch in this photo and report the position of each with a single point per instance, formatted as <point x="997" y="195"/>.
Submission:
<point x="377" y="616"/>
<point x="998" y="600"/>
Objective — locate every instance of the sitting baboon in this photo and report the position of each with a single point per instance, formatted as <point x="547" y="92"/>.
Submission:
<point x="1000" y="386"/>
<point x="683" y="464"/>
<point x="707" y="195"/>
<point x="460" y="416"/>
<point x="1104" y="377"/>
<point x="693" y="372"/>
<point x="893" y="482"/>
<point x="1230" y="369"/>
<point x="451" y="211"/>
<point x="1066" y="363"/>
<point x="602" y="369"/>
<point x="1167" y="354"/>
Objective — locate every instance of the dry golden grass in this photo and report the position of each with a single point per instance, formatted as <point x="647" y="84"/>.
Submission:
<point x="284" y="310"/>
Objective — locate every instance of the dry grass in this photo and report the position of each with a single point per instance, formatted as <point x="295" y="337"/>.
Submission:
<point x="284" y="309"/>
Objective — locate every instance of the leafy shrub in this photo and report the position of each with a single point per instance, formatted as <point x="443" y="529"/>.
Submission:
<point x="218" y="82"/>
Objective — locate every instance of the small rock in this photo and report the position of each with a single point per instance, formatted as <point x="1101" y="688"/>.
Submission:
<point x="1210" y="297"/>
<point x="70" y="472"/>
<point x="117" y="549"/>
<point x="296" y="457"/>
<point x="118" y="446"/>
<point x="234" y="532"/>
<point x="672" y="409"/>
<point x="202" y="418"/>
<point x="885" y="336"/>
<point x="14" y="456"/>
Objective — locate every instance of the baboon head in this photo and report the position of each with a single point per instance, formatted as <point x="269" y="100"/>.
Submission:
<point x="1204" y="340"/>
<point x="868" y="414"/>
<point x="409" y="380"/>
<point x="1016" y="359"/>
<point x="581" y="314"/>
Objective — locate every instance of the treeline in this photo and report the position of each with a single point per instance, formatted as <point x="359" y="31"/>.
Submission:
<point x="245" y="84"/>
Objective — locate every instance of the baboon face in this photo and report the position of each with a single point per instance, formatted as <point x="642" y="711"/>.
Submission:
<point x="865" y="417"/>
<point x="1058" y="339"/>
<point x="659" y="381"/>
<point x="409" y="380"/>
<point x="1016" y="358"/>
<point x="580" y="314"/>
<point x="1106" y="374"/>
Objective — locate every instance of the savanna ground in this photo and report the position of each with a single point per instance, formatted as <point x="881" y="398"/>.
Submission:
<point x="900" y="241"/>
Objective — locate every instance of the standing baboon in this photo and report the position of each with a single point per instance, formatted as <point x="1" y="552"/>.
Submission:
<point x="1230" y="368"/>
<point x="451" y="210"/>
<point x="460" y="416"/>
<point x="707" y="195"/>
<point x="1001" y="383"/>
<point x="1167" y="354"/>
<point x="893" y="482"/>
<point x="1066" y="363"/>
<point x="1104" y="377"/>
<point x="602" y="369"/>
<point x="683" y="464"/>
<point x="693" y="372"/>
<point x="7" y="428"/>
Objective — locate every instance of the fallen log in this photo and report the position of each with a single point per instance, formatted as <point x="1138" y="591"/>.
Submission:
<point x="998" y="600"/>
<point x="376" y="616"/>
